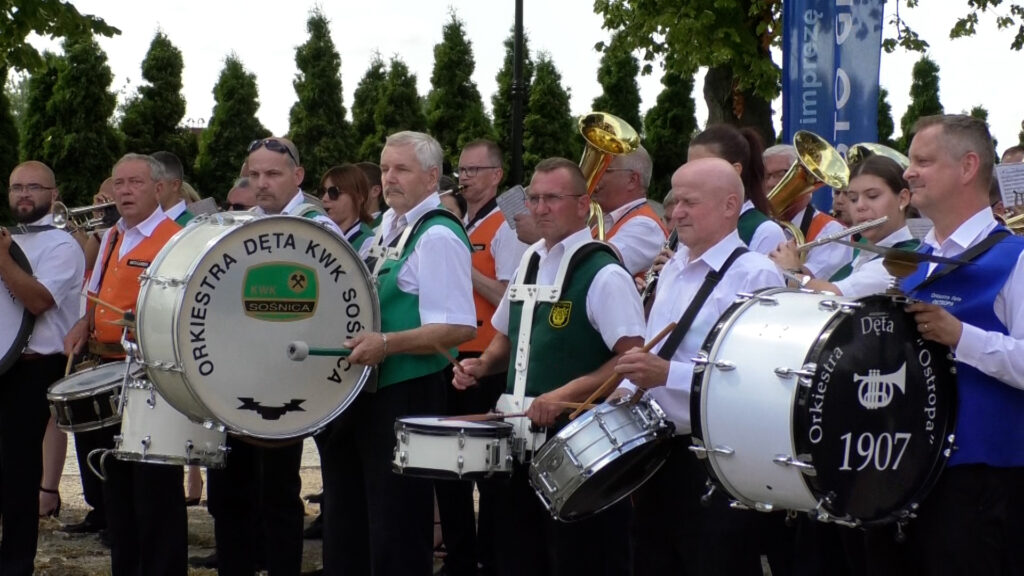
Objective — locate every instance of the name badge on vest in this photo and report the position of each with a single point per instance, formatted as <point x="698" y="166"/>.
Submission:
<point x="139" y="263"/>
<point x="479" y="247"/>
<point x="559" y="316"/>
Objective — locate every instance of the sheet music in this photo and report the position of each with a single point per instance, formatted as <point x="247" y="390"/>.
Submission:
<point x="1011" y="183"/>
<point x="512" y="202"/>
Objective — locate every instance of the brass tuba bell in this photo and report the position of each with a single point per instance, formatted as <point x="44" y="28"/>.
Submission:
<point x="817" y="164"/>
<point x="859" y="152"/>
<point x="605" y="135"/>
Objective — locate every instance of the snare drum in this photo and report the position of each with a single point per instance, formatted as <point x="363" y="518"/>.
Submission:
<point x="219" y="306"/>
<point x="432" y="447"/>
<point x="812" y="402"/>
<point x="88" y="400"/>
<point x="152" y="431"/>
<point x="601" y="457"/>
<point x="15" y="318"/>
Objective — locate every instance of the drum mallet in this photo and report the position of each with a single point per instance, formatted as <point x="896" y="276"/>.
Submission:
<point x="299" y="350"/>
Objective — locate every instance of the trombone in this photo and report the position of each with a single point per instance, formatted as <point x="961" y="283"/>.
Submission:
<point x="74" y="219"/>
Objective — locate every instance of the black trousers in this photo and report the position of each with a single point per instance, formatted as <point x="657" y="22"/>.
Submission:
<point x="24" y="412"/>
<point x="531" y="542"/>
<point x="375" y="521"/>
<point x="146" y="518"/>
<point x="675" y="533"/>
<point x="468" y="539"/>
<point x="972" y="522"/>
<point x="257" y="509"/>
<point x="92" y="486"/>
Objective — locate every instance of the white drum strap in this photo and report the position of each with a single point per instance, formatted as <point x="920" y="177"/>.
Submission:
<point x="382" y="253"/>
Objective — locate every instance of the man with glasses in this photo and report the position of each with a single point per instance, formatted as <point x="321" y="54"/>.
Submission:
<point x="145" y="502"/>
<point x="256" y="496"/>
<point x="376" y="521"/>
<point x="496" y="254"/>
<point x="51" y="293"/>
<point x="241" y="196"/>
<point x="631" y="225"/>
<point x="572" y="343"/>
<point x="172" y="200"/>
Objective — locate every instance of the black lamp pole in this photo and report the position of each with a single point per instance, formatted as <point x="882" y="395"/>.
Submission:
<point x="516" y="163"/>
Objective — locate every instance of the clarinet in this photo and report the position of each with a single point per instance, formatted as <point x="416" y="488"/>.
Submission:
<point x="651" y="277"/>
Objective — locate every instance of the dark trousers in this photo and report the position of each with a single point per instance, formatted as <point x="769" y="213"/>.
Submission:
<point x="972" y="522"/>
<point x="468" y="539"/>
<point x="92" y="486"/>
<point x="674" y="533"/>
<point x="531" y="542"/>
<point x="375" y="521"/>
<point x="258" y="511"/>
<point x="146" y="518"/>
<point x="24" y="412"/>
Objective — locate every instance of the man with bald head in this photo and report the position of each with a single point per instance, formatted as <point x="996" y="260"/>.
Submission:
<point x="50" y="293"/>
<point x="674" y="532"/>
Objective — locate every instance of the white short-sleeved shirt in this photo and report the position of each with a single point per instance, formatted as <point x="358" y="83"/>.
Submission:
<point x="638" y="240"/>
<point x="768" y="235"/>
<point x="869" y="275"/>
<point x="294" y="204"/>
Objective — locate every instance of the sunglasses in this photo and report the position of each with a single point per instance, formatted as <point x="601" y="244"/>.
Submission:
<point x="274" y="146"/>
<point x="234" y="207"/>
<point x="332" y="192"/>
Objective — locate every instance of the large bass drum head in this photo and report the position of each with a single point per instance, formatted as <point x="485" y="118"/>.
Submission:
<point x="259" y="287"/>
<point x="17" y="321"/>
<point x="877" y="419"/>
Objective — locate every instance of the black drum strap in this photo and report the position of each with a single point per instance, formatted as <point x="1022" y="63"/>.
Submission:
<point x="805" y="224"/>
<point x="968" y="255"/>
<point x="686" y="320"/>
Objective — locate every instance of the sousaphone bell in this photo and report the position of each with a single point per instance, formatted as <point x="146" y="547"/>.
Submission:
<point x="605" y="136"/>
<point x="817" y="164"/>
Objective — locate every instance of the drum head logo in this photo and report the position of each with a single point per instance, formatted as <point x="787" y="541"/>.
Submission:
<point x="280" y="292"/>
<point x="875" y="390"/>
<point x="559" y="316"/>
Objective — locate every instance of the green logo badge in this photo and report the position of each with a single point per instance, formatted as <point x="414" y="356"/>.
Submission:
<point x="280" y="292"/>
<point x="559" y="316"/>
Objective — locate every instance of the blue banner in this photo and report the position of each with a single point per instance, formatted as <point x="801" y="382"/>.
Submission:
<point x="830" y="56"/>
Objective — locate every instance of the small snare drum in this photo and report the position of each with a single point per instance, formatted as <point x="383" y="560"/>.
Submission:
<point x="601" y="457"/>
<point x="88" y="400"/>
<point x="432" y="447"/>
<point x="152" y="431"/>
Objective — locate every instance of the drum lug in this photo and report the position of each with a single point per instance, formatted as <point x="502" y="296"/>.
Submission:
<point x="723" y="365"/>
<point x="604" y="426"/>
<point x="162" y="281"/>
<point x="761" y="299"/>
<point x="462" y="444"/>
<point x="764" y="507"/>
<point x="461" y="463"/>
<point x="163" y="366"/>
<point x="737" y="505"/>
<point x="787" y="460"/>
<point x="543" y="476"/>
<point x="572" y="457"/>
<point x="403" y="436"/>
<point x="145" y="445"/>
<point x="493" y="455"/>
<point x="189" y="445"/>
<point x="705" y="500"/>
<point x="806" y="372"/>
<point x="703" y="452"/>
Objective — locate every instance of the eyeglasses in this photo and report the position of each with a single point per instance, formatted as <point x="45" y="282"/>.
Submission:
<point x="331" y="192"/>
<point x="535" y="199"/>
<point x="32" y="188"/>
<point x="274" y="146"/>
<point x="472" y="171"/>
<point x="235" y="207"/>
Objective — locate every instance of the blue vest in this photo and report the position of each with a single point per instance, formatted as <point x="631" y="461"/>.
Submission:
<point x="990" y="415"/>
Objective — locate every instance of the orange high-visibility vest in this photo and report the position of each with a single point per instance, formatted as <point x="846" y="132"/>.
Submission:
<point x="483" y="261"/>
<point x="818" y="223"/>
<point x="640" y="210"/>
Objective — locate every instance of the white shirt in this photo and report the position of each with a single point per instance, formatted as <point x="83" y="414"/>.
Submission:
<point x="132" y="237"/>
<point x="680" y="280"/>
<point x="869" y="275"/>
<point x="59" y="265"/>
<point x="638" y="241"/>
<point x="767" y="237"/>
<point x="998" y="355"/>
<point x="506" y="247"/>
<point x="437" y="269"/>
<point x="294" y="204"/>
<point x="825" y="260"/>
<point x="175" y="211"/>
<point x="613" y="304"/>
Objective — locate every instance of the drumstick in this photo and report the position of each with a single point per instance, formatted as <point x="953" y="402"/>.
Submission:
<point x="107" y="304"/>
<point x="615" y="379"/>
<point x="451" y="359"/>
<point x="502" y="415"/>
<point x="67" y="368"/>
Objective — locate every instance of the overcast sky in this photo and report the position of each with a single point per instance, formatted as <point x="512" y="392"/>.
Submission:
<point x="264" y="34"/>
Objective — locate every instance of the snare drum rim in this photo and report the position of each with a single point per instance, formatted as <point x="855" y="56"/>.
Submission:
<point x="493" y="429"/>
<point x="54" y="396"/>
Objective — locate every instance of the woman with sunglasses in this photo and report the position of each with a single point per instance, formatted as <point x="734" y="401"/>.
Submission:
<point x="343" y="191"/>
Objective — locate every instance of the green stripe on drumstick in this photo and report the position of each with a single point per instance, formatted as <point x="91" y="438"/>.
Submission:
<point x="299" y="350"/>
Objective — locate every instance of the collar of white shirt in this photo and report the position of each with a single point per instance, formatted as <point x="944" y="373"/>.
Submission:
<point x="46" y="220"/>
<point x="392" y="229"/>
<point x="966" y="235"/>
<point x="147" y="226"/>
<point x="713" y="257"/>
<point x="173" y="212"/>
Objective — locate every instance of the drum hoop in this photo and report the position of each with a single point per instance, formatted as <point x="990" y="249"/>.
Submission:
<point x="938" y="464"/>
<point x="194" y="266"/>
<point x="500" y="430"/>
<point x="96" y="389"/>
<point x="28" y="320"/>
<point x="90" y="426"/>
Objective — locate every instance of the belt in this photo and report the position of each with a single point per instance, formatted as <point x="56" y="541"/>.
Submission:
<point x="35" y="356"/>
<point x="106" y="349"/>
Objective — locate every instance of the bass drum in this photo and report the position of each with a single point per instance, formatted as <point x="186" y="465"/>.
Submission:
<point x="15" y="318"/>
<point x="812" y="402"/>
<point x="222" y="301"/>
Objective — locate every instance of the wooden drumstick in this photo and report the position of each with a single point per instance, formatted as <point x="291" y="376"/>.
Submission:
<point x="106" y="304"/>
<point x="451" y="359"/>
<point x="615" y="379"/>
<point x="503" y="415"/>
<point x="67" y="368"/>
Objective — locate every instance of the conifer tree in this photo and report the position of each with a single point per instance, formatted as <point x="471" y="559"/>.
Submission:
<point x="617" y="75"/>
<point x="82" y="145"/>
<point x="886" y="127"/>
<point x="501" y="100"/>
<point x="668" y="127"/>
<point x="223" y="146"/>
<point x="37" y="119"/>
<point x="455" y="110"/>
<point x="364" y="102"/>
<point x="924" y="98"/>
<point x="398" y="108"/>
<point x="550" y="128"/>
<point x="8" y="142"/>
<point x="317" y="120"/>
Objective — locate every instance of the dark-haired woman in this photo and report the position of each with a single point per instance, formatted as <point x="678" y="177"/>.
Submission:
<point x="343" y="190"/>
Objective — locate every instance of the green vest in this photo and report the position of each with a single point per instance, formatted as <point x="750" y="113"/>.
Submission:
<point x="400" y="310"/>
<point x="563" y="344"/>
<point x="184" y="218"/>
<point x="365" y="233"/>
<point x="844" y="272"/>
<point x="749" y="222"/>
